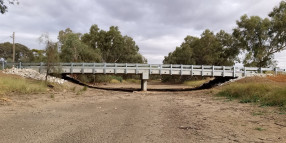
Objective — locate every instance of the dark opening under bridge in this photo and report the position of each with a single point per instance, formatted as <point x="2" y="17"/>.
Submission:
<point x="145" y="70"/>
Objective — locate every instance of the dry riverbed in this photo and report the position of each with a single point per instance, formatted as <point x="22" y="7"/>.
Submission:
<point x="114" y="116"/>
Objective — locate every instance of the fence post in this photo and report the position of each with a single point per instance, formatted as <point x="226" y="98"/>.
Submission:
<point x="245" y="71"/>
<point x="20" y="65"/>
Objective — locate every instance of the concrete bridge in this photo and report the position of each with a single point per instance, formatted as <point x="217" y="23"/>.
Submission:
<point x="145" y="70"/>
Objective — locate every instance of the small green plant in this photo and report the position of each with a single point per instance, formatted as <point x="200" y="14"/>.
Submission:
<point x="84" y="88"/>
<point x="259" y="129"/>
<point x="81" y="90"/>
<point x="258" y="113"/>
<point x="73" y="89"/>
<point x="53" y="96"/>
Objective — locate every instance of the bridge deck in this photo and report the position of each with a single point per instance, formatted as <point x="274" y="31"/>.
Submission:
<point x="147" y="69"/>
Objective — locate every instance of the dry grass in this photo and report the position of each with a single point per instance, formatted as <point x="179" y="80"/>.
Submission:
<point x="269" y="91"/>
<point x="10" y="84"/>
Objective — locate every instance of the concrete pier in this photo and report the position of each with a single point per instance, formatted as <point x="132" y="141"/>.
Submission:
<point x="144" y="79"/>
<point x="143" y="85"/>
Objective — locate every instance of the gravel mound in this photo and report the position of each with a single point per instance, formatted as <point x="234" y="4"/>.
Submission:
<point x="29" y="73"/>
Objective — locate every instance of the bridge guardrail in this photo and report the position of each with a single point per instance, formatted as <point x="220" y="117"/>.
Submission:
<point x="150" y="67"/>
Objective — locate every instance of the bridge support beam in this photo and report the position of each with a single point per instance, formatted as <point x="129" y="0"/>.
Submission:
<point x="143" y="84"/>
<point x="144" y="79"/>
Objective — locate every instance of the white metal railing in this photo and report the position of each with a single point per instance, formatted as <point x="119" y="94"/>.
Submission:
<point x="170" y="69"/>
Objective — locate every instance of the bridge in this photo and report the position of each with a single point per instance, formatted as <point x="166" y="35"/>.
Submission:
<point x="145" y="70"/>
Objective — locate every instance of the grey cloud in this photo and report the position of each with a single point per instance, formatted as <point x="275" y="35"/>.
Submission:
<point x="157" y="26"/>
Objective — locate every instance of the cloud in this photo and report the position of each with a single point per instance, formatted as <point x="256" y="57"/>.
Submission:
<point x="157" y="26"/>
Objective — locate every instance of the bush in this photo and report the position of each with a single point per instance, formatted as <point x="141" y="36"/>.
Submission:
<point x="264" y="93"/>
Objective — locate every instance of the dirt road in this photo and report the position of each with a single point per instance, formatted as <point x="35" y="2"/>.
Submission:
<point x="112" y="116"/>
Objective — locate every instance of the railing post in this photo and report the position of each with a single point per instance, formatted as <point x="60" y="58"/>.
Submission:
<point x="223" y="73"/>
<point x="192" y="70"/>
<point x="213" y="71"/>
<point x="150" y="66"/>
<point x="104" y="68"/>
<point x="202" y="70"/>
<point x="20" y="65"/>
<point x="3" y="65"/>
<point x="260" y="70"/>
<point x="245" y="71"/>
<point x="136" y="71"/>
<point x="41" y="66"/>
<point x="181" y="69"/>
<point x="71" y="70"/>
<point x="171" y="71"/>
<point x="125" y="68"/>
<point x="115" y="68"/>
<point x="82" y="68"/>
<point x="233" y="71"/>
<point x="93" y="69"/>
<point x="160" y="69"/>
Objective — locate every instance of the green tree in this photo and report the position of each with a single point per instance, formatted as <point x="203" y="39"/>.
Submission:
<point x="209" y="49"/>
<point x="38" y="55"/>
<point x="253" y="36"/>
<point x="74" y="50"/>
<point x="113" y="46"/>
<point x="3" y="7"/>
<point x="278" y="28"/>
<point x="52" y="54"/>
<point x="22" y="53"/>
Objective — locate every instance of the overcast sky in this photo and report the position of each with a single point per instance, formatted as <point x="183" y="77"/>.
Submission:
<point x="157" y="26"/>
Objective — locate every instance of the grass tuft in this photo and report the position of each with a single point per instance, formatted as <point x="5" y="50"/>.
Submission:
<point x="16" y="84"/>
<point x="264" y="93"/>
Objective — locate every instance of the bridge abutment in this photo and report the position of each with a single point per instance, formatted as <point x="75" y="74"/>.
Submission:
<point x="144" y="79"/>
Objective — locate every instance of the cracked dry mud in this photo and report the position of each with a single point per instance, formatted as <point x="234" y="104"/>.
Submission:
<point x="113" y="116"/>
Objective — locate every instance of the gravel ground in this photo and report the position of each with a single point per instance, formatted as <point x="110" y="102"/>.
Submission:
<point x="114" y="116"/>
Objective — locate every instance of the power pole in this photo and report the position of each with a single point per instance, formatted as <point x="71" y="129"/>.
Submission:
<point x="13" y="47"/>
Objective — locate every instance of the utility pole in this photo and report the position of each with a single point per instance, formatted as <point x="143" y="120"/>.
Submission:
<point x="13" y="47"/>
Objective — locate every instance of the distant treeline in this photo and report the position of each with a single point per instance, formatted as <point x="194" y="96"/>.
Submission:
<point x="95" y="46"/>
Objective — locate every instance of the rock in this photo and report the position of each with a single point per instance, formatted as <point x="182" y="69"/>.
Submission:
<point x="29" y="73"/>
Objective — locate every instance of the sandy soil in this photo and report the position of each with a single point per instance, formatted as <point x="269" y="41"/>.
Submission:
<point x="113" y="116"/>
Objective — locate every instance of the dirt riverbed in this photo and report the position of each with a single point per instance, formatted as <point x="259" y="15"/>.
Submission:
<point x="114" y="116"/>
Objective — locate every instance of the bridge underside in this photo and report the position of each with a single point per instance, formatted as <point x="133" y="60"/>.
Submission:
<point x="145" y="70"/>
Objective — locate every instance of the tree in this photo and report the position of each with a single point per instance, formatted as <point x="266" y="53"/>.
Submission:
<point x="113" y="46"/>
<point x="183" y="54"/>
<point x="209" y="49"/>
<point x="38" y="55"/>
<point x="22" y="53"/>
<point x="3" y="7"/>
<point x="253" y="36"/>
<point x="74" y="50"/>
<point x="52" y="54"/>
<point x="278" y="28"/>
